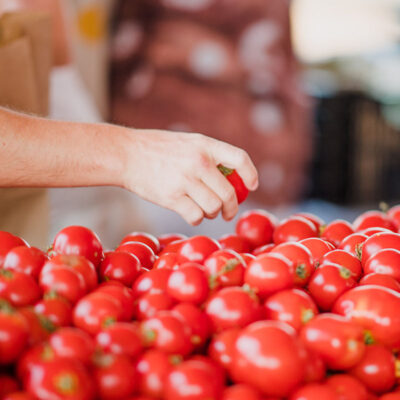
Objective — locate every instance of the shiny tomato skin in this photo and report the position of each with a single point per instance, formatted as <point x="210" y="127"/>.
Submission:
<point x="293" y="306"/>
<point x="328" y="282"/>
<point x="379" y="241"/>
<point x="168" y="261"/>
<point x="391" y="396"/>
<point x="315" y="368"/>
<point x="79" y="240"/>
<point x="318" y="247"/>
<point x="338" y="341"/>
<point x="173" y="246"/>
<point x="7" y="385"/>
<point x="353" y="244"/>
<point x="120" y="266"/>
<point x="373" y="219"/>
<point x="22" y="395"/>
<point x="39" y="326"/>
<point x="336" y="231"/>
<point x="380" y="280"/>
<point x="168" y="238"/>
<point x="147" y="305"/>
<point x="222" y="346"/>
<point x="197" y="249"/>
<point x="256" y="226"/>
<point x="317" y="221"/>
<point x="394" y="214"/>
<point x="372" y="231"/>
<point x="314" y="391"/>
<point x="235" y="242"/>
<point x="7" y="242"/>
<point x="233" y="307"/>
<point x="294" y="229"/>
<point x="153" y="281"/>
<point x="347" y="387"/>
<point x="376" y="369"/>
<point x="268" y="340"/>
<point x="241" y="392"/>
<point x="385" y="261"/>
<point x="375" y="309"/>
<point x="266" y="248"/>
<point x="57" y="309"/>
<point x="141" y="250"/>
<point x="145" y="238"/>
<point x="344" y="259"/>
<point x="28" y="260"/>
<point x="247" y="258"/>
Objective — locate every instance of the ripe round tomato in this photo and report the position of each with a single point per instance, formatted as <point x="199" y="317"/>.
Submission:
<point x="318" y="247"/>
<point x="25" y="259"/>
<point x="197" y="249"/>
<point x="257" y="227"/>
<point x="233" y="307"/>
<point x="153" y="281"/>
<point x="168" y="261"/>
<point x="317" y="221"/>
<point x="121" y="267"/>
<point x="344" y="259"/>
<point x="240" y="392"/>
<point x="168" y="238"/>
<point x="336" y="231"/>
<point x="372" y="231"/>
<point x="188" y="284"/>
<point x="7" y="385"/>
<point x="314" y="391"/>
<point x="268" y="356"/>
<point x="120" y="338"/>
<point x="380" y="280"/>
<point x="147" y="305"/>
<point x="234" y="242"/>
<point x="347" y="387"/>
<point x="394" y="214"/>
<point x="7" y="242"/>
<point x="143" y="252"/>
<point x="172" y="247"/>
<point x="80" y="241"/>
<point x="353" y="244"/>
<point x="379" y="241"/>
<point x="266" y="248"/>
<point x="222" y="346"/>
<point x="328" y="282"/>
<point x="315" y="368"/>
<point x="145" y="238"/>
<point x="294" y="229"/>
<point x="247" y="257"/>
<point x="391" y="396"/>
<point x="375" y="309"/>
<point x="376" y="369"/>
<point x="236" y="181"/>
<point x="385" y="261"/>
<point x="57" y="309"/>
<point x="293" y="306"/>
<point x="39" y="326"/>
<point x="373" y="219"/>
<point x="269" y="273"/>
<point x="338" y="341"/>
<point x="224" y="268"/>
<point x="18" y="396"/>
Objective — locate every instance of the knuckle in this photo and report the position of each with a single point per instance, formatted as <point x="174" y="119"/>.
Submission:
<point x="214" y="207"/>
<point x="229" y="195"/>
<point x="195" y="218"/>
<point x="242" y="156"/>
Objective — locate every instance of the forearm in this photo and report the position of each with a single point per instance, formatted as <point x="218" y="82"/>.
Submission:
<point x="36" y="152"/>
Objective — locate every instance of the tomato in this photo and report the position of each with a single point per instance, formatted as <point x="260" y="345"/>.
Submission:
<point x="115" y="376"/>
<point x="240" y="392"/>
<point x="328" y="283"/>
<point x="168" y="238"/>
<point x="153" y="368"/>
<point x="247" y="257"/>
<point x="372" y="231"/>
<point x="373" y="219"/>
<point x="39" y="326"/>
<point x="266" y="248"/>
<point x="121" y="267"/>
<point x="166" y="331"/>
<point x="168" y="261"/>
<point x="394" y="214"/>
<point x="390" y="396"/>
<point x="188" y="284"/>
<point x="7" y="242"/>
<point x="376" y="369"/>
<point x="314" y="391"/>
<point x="198" y="321"/>
<point x="197" y="249"/>
<point x="57" y="309"/>
<point x="236" y="181"/>
<point x="120" y="338"/>
<point x="338" y="341"/>
<point x="233" y="307"/>
<point x="18" y="396"/>
<point x="336" y="231"/>
<point x="224" y="268"/>
<point x="314" y="219"/>
<point x="150" y="303"/>
<point x="145" y="238"/>
<point x="7" y="385"/>
<point x="293" y="229"/>
<point x="172" y="247"/>
<point x="353" y="244"/>
<point x="222" y="346"/>
<point x="315" y="369"/>
<point x="218" y="372"/>
<point x="25" y="259"/>
<point x="143" y="252"/>
<point x="79" y="241"/>
<point x="95" y="311"/>
<point x="301" y="258"/>
<point x="153" y="281"/>
<point x="318" y="247"/>
<point x="347" y="387"/>
<point x="18" y="288"/>
<point x="192" y="380"/>
<point x="293" y="306"/>
<point x="375" y="309"/>
<point x="269" y="273"/>
<point x="72" y="343"/>
<point x="379" y="241"/>
<point x="256" y="226"/>
<point x="380" y="280"/>
<point x="385" y="261"/>
<point x="344" y="259"/>
<point x="234" y="242"/>
<point x="268" y="356"/>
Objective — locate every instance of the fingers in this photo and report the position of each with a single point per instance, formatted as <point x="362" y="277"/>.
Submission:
<point x="189" y="210"/>
<point x="205" y="198"/>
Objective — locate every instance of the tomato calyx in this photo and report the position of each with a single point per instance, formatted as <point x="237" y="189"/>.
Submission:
<point x="6" y="273"/>
<point x="46" y="323"/>
<point x="384" y="207"/>
<point x="195" y="339"/>
<point x="345" y="273"/>
<point x="229" y="266"/>
<point x="66" y="383"/>
<point x="250" y="291"/>
<point x="307" y="315"/>
<point x="301" y="271"/>
<point x="6" y="307"/>
<point x="358" y="249"/>
<point x="321" y="230"/>
<point x="225" y="170"/>
<point x="368" y="338"/>
<point x="149" y="335"/>
<point x="175" y="359"/>
<point x="108" y="322"/>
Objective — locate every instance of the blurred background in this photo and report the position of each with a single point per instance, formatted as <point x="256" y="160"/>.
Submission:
<point x="310" y="89"/>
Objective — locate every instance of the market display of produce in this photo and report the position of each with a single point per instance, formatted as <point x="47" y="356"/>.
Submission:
<point x="292" y="309"/>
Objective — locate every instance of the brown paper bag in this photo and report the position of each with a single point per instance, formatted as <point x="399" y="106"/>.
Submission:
<point x="25" y="64"/>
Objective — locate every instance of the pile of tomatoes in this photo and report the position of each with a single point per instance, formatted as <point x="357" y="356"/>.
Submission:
<point x="295" y="309"/>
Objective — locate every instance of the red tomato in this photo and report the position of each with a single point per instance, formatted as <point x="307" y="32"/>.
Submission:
<point x="372" y="231"/>
<point x="7" y="385"/>
<point x="385" y="261"/>
<point x="328" y="283"/>
<point x="353" y="244"/>
<point x="315" y="369"/>
<point x="192" y="380"/>
<point x="294" y="229"/>
<point x="336" y="231"/>
<point x="79" y="241"/>
<point x="150" y="303"/>
<point x="145" y="238"/>
<point x="269" y="273"/>
<point x="394" y="214"/>
<point x="293" y="306"/>
<point x="317" y="221"/>
<point x="166" y="331"/>
<point x="18" y="288"/>
<point x="172" y="247"/>
<point x="269" y="357"/>
<point x="391" y="396"/>
<point x="301" y="258"/>
<point x="266" y="248"/>
<point x="115" y="376"/>
<point x="235" y="242"/>
<point x="25" y="259"/>
<point x="376" y="369"/>
<point x="379" y="241"/>
<point x="39" y="326"/>
<point x="241" y="392"/>
<point x="338" y="341"/>
<point x="236" y="181"/>
<point x="168" y="261"/>
<point x="380" y="280"/>
<point x="314" y="391"/>
<point x="373" y="219"/>
<point x="224" y="268"/>
<point x="222" y="346"/>
<point x="197" y="249"/>
<point x="375" y="308"/>
<point x="188" y="284"/>
<point x="121" y="267"/>
<point x="57" y="309"/>
<point x="233" y="307"/>
<point x="344" y="259"/>
<point x="168" y="238"/>
<point x="120" y="338"/>
<point x="7" y="242"/>
<point x="256" y="226"/>
<point x="247" y="258"/>
<point x="318" y="247"/>
<point x="143" y="252"/>
<point x="72" y="343"/>
<point x="18" y="396"/>
<point x="347" y="387"/>
<point x="153" y="281"/>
